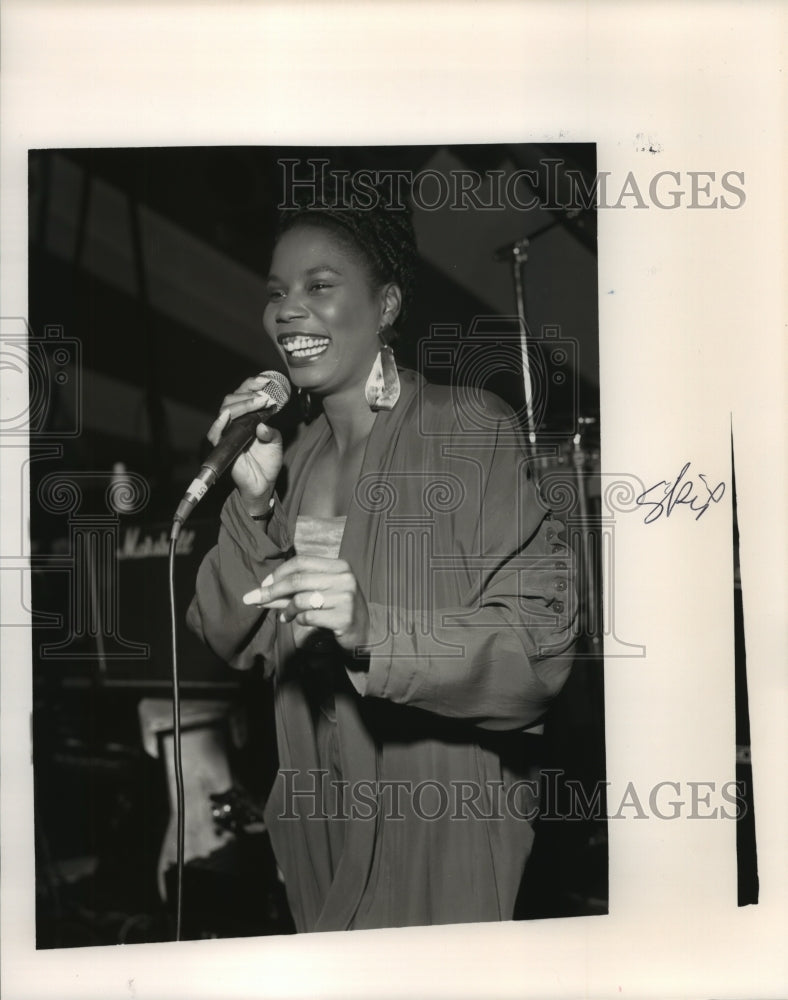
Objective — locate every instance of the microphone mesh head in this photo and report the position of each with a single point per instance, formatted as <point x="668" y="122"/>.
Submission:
<point x="278" y="388"/>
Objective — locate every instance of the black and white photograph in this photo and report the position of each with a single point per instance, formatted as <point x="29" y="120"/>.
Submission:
<point x="388" y="612"/>
<point x="392" y="571"/>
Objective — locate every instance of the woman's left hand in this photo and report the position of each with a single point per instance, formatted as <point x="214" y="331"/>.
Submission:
<point x="323" y="593"/>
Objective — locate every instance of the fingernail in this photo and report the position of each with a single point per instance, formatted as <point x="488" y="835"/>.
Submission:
<point x="253" y="597"/>
<point x="282" y="617"/>
<point x="268" y="580"/>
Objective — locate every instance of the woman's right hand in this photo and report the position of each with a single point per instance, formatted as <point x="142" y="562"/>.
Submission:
<point x="256" y="468"/>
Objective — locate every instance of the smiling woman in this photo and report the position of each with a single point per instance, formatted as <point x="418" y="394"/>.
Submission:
<point x="321" y="308"/>
<point x="424" y="622"/>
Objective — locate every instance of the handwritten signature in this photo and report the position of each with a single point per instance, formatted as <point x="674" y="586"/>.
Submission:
<point x="680" y="491"/>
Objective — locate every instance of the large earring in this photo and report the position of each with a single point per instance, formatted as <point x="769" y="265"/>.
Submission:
<point x="382" y="388"/>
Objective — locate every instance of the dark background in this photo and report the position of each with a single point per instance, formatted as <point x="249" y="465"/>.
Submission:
<point x="146" y="299"/>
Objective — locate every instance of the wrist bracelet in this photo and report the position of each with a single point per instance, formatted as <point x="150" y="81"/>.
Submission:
<point x="264" y="516"/>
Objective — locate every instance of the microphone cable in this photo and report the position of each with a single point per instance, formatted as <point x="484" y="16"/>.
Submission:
<point x="234" y="439"/>
<point x="180" y="806"/>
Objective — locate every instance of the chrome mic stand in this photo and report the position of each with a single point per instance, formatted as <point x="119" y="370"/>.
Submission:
<point x="517" y="252"/>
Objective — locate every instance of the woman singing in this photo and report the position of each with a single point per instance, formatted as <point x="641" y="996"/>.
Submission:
<point x="409" y="598"/>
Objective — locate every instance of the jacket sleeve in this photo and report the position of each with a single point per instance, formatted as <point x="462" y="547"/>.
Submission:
<point x="500" y="656"/>
<point x="244" y="555"/>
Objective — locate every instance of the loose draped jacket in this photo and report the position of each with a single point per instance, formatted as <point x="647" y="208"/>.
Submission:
<point x="469" y="588"/>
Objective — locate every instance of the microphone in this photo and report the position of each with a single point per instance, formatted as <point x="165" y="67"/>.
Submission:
<point x="236" y="436"/>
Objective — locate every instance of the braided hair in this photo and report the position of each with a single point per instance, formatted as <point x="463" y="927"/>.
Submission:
<point x="383" y="238"/>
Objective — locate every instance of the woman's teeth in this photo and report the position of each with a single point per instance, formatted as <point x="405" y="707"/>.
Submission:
<point x="305" y="347"/>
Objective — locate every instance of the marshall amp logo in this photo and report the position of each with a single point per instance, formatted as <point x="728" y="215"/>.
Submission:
<point x="140" y="543"/>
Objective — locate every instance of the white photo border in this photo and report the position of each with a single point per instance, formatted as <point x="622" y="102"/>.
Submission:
<point x="692" y="320"/>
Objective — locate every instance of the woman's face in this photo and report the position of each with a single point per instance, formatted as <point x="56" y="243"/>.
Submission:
<point x="322" y="313"/>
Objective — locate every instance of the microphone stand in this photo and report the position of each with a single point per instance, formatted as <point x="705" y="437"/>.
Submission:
<point x="517" y="252"/>
<point x="587" y="550"/>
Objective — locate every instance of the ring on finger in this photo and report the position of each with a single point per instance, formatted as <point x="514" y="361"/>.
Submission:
<point x="316" y="600"/>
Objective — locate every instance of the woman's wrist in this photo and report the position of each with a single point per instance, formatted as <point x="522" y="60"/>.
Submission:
<point x="259" y="508"/>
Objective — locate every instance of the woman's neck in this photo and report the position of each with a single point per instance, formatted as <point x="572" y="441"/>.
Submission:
<point x="349" y="417"/>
